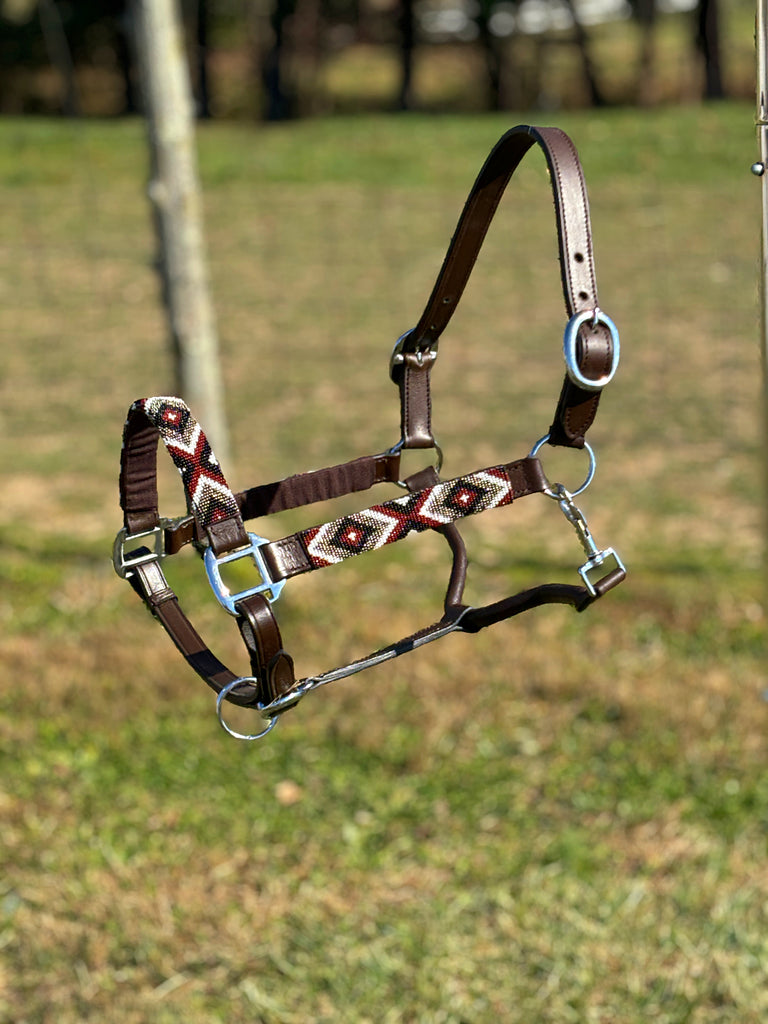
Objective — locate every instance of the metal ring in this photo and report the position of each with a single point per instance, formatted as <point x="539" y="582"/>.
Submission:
<point x="590" y="472"/>
<point x="595" y="316"/>
<point x="232" y="732"/>
<point x="400" y="447"/>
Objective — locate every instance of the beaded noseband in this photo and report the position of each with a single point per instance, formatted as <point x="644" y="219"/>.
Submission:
<point x="216" y="517"/>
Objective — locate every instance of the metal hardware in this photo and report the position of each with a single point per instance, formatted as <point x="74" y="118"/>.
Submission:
<point x="758" y="169"/>
<point x="288" y="700"/>
<point x="228" y="728"/>
<point x="225" y="597"/>
<point x="124" y="561"/>
<point x="595" y="317"/>
<point x="398" y="358"/>
<point x="596" y="558"/>
<point x="550" y="490"/>
<point x="396" y="449"/>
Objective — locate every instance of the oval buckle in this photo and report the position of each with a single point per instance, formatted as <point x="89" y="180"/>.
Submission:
<point x="597" y="316"/>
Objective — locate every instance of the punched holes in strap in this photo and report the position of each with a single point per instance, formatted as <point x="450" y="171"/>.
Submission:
<point x="577" y="406"/>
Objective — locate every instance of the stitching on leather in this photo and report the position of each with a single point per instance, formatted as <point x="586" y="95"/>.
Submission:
<point x="585" y="219"/>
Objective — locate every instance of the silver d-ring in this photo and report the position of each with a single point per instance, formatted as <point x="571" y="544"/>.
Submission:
<point x="594" y="316"/>
<point x="400" y="447"/>
<point x="590" y="472"/>
<point x="232" y="732"/>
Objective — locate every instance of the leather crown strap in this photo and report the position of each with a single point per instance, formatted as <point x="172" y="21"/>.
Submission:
<point x="216" y="517"/>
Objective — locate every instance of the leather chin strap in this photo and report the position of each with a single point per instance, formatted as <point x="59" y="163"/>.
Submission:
<point x="216" y="516"/>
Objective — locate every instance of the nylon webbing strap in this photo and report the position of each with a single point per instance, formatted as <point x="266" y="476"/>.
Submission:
<point x="216" y="511"/>
<point x="429" y="509"/>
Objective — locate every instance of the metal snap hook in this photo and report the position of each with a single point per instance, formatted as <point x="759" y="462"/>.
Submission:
<point x="227" y="728"/>
<point x="550" y="491"/>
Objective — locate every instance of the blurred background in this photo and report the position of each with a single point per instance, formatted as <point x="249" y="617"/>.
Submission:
<point x="562" y="819"/>
<point x="298" y="58"/>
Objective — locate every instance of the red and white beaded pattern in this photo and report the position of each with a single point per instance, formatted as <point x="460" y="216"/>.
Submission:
<point x="208" y="494"/>
<point x="391" y="521"/>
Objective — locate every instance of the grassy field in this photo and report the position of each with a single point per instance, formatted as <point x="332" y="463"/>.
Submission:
<point x="561" y="819"/>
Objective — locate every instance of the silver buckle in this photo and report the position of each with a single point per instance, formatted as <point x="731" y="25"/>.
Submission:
<point x="596" y="316"/>
<point x="597" y="561"/>
<point x="124" y="562"/>
<point x="226" y="598"/>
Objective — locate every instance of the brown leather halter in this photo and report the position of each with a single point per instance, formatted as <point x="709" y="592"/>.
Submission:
<point x="215" y="523"/>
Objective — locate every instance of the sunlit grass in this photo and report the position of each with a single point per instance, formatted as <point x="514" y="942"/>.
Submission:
<point x="560" y="819"/>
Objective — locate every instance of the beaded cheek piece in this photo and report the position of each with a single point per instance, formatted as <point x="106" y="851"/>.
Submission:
<point x="216" y="516"/>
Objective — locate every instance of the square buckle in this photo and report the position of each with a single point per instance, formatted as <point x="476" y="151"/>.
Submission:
<point x="224" y="595"/>
<point x="125" y="561"/>
<point x="597" y="562"/>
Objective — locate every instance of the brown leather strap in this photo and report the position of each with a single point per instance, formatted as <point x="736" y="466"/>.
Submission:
<point x="576" y="407"/>
<point x="218" y="517"/>
<point x="293" y="555"/>
<point x="207" y="492"/>
<point x="297" y="491"/>
<point x="149" y="581"/>
<point x="415" y="400"/>
<point x="270" y="664"/>
<point x="220" y="522"/>
<point x="429" y="477"/>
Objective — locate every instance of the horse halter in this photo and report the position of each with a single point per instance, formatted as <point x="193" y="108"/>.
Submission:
<point x="216" y="517"/>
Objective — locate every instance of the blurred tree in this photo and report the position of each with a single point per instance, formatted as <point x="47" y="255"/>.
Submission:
<point x="581" y="39"/>
<point x="279" y="97"/>
<point x="708" y="45"/>
<point x="407" y="24"/>
<point x="644" y="12"/>
<point x="201" y="16"/>
<point x="495" y="53"/>
<point x="290" y="41"/>
<point x="60" y="54"/>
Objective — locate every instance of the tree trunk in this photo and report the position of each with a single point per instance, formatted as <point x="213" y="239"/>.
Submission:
<point x="280" y="99"/>
<point x="708" y="42"/>
<point x="201" y="54"/>
<point x="407" y="25"/>
<point x="174" y="192"/>
<point x="582" y="42"/>
<point x="492" y="53"/>
<point x="645" y="13"/>
<point x="60" y="54"/>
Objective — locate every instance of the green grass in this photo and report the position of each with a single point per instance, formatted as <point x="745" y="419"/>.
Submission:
<point x="561" y="819"/>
